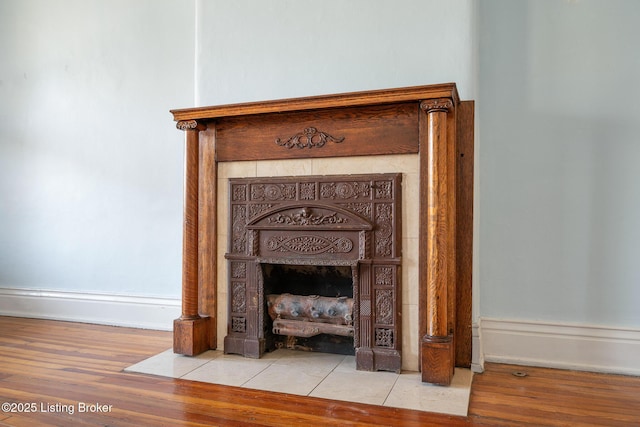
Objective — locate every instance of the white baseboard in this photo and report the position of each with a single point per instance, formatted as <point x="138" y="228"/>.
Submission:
<point x="104" y="309"/>
<point x="565" y="346"/>
<point x="477" y="356"/>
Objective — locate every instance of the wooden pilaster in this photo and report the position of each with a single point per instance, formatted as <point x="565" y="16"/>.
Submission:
<point x="437" y="242"/>
<point x="191" y="331"/>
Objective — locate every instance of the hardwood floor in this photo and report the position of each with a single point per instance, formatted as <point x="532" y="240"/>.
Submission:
<point x="62" y="370"/>
<point x="553" y="397"/>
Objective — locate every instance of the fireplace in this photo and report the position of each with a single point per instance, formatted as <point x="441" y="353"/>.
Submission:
<point x="427" y="123"/>
<point x="310" y="307"/>
<point x="314" y="264"/>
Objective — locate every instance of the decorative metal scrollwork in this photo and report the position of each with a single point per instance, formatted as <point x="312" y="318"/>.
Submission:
<point x="309" y="244"/>
<point x="308" y="138"/>
<point x="306" y="217"/>
<point x="384" y="337"/>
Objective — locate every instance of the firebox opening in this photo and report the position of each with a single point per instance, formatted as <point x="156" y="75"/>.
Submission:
<point x="309" y="307"/>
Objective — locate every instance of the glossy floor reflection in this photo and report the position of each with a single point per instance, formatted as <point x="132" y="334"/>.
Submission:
<point x="328" y="376"/>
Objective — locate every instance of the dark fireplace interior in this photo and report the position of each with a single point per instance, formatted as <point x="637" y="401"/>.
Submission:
<point x="311" y="296"/>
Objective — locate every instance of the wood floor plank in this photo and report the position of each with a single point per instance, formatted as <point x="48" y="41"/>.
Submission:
<point x="556" y="397"/>
<point x="49" y="362"/>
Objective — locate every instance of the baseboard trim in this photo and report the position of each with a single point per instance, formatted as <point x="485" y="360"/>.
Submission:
<point x="564" y="346"/>
<point x="105" y="309"/>
<point x="477" y="356"/>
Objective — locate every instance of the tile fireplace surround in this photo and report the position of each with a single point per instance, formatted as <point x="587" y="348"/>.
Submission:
<point x="424" y="134"/>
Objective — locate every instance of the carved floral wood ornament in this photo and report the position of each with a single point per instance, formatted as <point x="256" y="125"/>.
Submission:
<point x="308" y="138"/>
<point x="430" y="121"/>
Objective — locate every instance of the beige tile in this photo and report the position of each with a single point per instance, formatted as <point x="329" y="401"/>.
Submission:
<point x="168" y="364"/>
<point x="286" y="379"/>
<point x="284" y="167"/>
<point x="295" y="372"/>
<point x="324" y="362"/>
<point x="410" y="338"/>
<point x="407" y="163"/>
<point x="222" y="290"/>
<point x="222" y="319"/>
<point x="410" y="205"/>
<point x="222" y="213"/>
<point x="409" y="392"/>
<point x="366" y="164"/>
<point x="221" y="260"/>
<point x="236" y="169"/>
<point x="356" y="386"/>
<point x="228" y="369"/>
<point x="410" y="288"/>
<point x="347" y="365"/>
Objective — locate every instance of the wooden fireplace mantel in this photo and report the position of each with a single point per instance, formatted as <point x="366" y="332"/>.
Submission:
<point x="430" y="121"/>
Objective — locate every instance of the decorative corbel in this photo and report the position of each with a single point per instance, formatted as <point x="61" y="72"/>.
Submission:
<point x="437" y="105"/>
<point x="190" y="125"/>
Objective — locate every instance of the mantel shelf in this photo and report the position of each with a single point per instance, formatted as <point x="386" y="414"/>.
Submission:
<point x="353" y="99"/>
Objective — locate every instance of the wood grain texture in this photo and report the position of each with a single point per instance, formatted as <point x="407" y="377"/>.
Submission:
<point x="383" y="96"/>
<point x="436" y="234"/>
<point x="464" y="233"/>
<point x="50" y="361"/>
<point x="436" y="363"/>
<point x="190" y="226"/>
<point x="354" y="131"/>
<point x="423" y="126"/>
<point x="207" y="231"/>
<point x="192" y="333"/>
<point x="437" y="268"/>
<point x="60" y="362"/>
<point x="191" y="336"/>
<point x="452" y="226"/>
<point x="552" y="397"/>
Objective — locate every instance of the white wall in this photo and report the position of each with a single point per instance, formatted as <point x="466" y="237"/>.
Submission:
<point x="90" y="161"/>
<point x="255" y="50"/>
<point x="560" y="200"/>
<point x="559" y="118"/>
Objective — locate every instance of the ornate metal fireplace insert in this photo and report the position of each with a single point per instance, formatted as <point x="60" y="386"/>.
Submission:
<point x="314" y="264"/>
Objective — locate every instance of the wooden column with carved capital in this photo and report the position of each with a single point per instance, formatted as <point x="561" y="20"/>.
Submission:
<point x="437" y="265"/>
<point x="191" y="331"/>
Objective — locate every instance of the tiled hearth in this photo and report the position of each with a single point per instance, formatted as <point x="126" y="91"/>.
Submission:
<point x="321" y="375"/>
